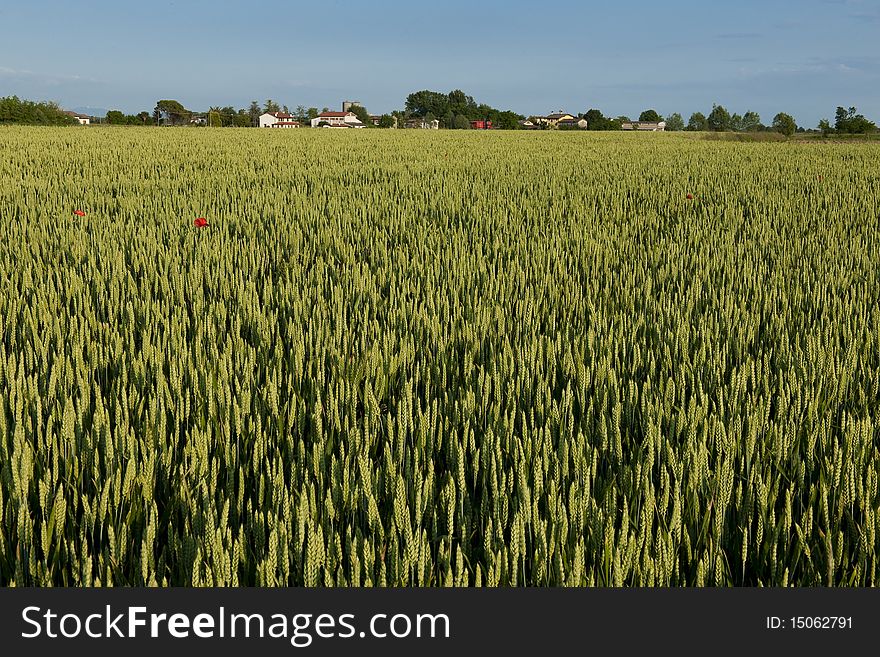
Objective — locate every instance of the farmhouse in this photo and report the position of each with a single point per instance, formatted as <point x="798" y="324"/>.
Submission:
<point x="481" y="125"/>
<point x="278" y="120"/>
<point x="552" y="120"/>
<point x="337" y="120"/>
<point x="572" y="124"/>
<point x="83" y="119"/>
<point x="644" y="126"/>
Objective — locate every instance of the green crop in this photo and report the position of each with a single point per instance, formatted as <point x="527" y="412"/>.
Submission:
<point x="402" y="358"/>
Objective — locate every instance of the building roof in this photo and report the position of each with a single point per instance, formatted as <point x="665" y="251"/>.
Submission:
<point x="642" y="125"/>
<point x="78" y="115"/>
<point x="328" y="115"/>
<point x="557" y="116"/>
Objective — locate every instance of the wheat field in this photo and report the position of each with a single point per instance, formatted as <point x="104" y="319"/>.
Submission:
<point x="417" y="358"/>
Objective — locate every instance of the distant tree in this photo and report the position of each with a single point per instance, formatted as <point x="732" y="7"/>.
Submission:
<point x="785" y="124"/>
<point x="171" y="112"/>
<point x="461" y="122"/>
<point x="242" y="119"/>
<point x="718" y="119"/>
<point x="115" y="117"/>
<point x="447" y="107"/>
<point x="849" y="121"/>
<point x="736" y="122"/>
<point x="285" y="109"/>
<point x="422" y="102"/>
<point x="214" y="120"/>
<point x="650" y="116"/>
<point x="312" y="113"/>
<point x="386" y="121"/>
<point x="271" y="107"/>
<point x="507" y="120"/>
<point x="825" y="127"/>
<point x="27" y="112"/>
<point x="697" y="122"/>
<point x="623" y="118"/>
<point x="363" y="115"/>
<point x="597" y="121"/>
<point x="751" y="122"/>
<point x="594" y="119"/>
<point x="461" y="103"/>
<point x="301" y="114"/>
<point x="674" y="122"/>
<point x="143" y="117"/>
<point x="254" y="112"/>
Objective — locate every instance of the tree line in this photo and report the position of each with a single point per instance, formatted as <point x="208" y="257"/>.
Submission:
<point x="27" y="112"/>
<point x="453" y="110"/>
<point x="719" y="119"/>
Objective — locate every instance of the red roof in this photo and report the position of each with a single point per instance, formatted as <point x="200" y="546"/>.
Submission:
<point x="282" y="115"/>
<point x="328" y="115"/>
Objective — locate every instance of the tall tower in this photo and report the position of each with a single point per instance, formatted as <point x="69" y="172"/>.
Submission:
<point x="348" y="104"/>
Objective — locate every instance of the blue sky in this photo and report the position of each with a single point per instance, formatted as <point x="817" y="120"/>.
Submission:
<point x="804" y="57"/>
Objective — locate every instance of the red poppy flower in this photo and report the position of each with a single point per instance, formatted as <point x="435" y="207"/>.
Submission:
<point x="690" y="197"/>
<point x="79" y="213"/>
<point x="201" y="222"/>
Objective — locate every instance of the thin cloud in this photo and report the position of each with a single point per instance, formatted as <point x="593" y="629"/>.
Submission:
<point x="47" y="78"/>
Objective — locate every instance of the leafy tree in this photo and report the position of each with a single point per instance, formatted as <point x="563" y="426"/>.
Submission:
<point x="461" y="122"/>
<point x="457" y="103"/>
<point x="597" y="121"/>
<point x="28" y="112"/>
<point x="301" y="114"/>
<point x="115" y="117"/>
<point x="718" y="119"/>
<point x="422" y="102"/>
<point x="312" y="113"/>
<point x="271" y="107"/>
<point x="171" y="112"/>
<point x="674" y="122"/>
<point x="363" y="115"/>
<point x="849" y="121"/>
<point x="254" y="112"/>
<point x="650" y="116"/>
<point x="697" y="122"/>
<point x="751" y="122"/>
<point x="507" y="120"/>
<point x="214" y="120"/>
<point x="736" y="123"/>
<point x="143" y="117"/>
<point x="386" y="121"/>
<point x="785" y="124"/>
<point x="825" y="127"/>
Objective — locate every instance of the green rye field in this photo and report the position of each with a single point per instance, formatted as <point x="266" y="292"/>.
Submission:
<point x="417" y="358"/>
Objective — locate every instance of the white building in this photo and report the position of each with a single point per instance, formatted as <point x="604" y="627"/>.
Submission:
<point x="337" y="120"/>
<point x="82" y="118"/>
<point x="278" y="120"/>
<point x="644" y="126"/>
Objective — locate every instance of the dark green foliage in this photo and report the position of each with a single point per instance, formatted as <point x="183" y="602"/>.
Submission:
<point x="27" y="112"/>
